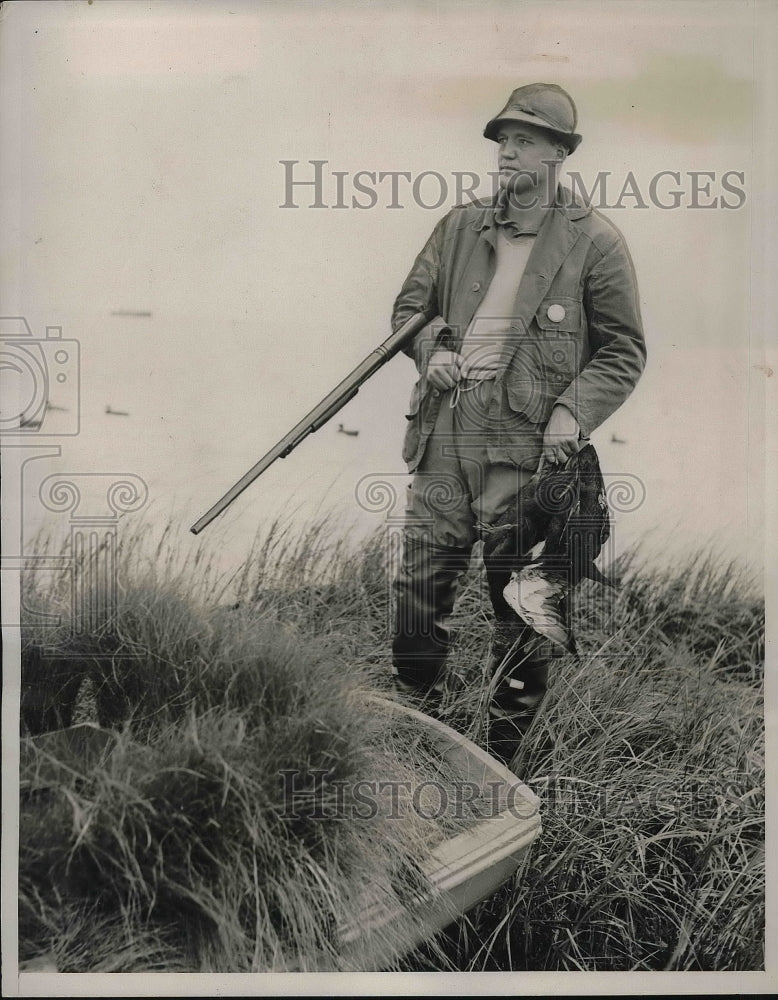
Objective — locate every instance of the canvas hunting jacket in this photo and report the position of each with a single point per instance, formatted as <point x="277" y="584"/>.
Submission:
<point x="575" y="338"/>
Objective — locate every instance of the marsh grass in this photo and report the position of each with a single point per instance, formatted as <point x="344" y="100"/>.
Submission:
<point x="647" y="756"/>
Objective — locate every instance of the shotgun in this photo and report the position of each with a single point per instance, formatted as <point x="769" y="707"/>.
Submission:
<point x="321" y="413"/>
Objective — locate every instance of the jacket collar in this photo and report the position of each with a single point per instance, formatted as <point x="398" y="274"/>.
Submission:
<point x="556" y="238"/>
<point x="564" y="203"/>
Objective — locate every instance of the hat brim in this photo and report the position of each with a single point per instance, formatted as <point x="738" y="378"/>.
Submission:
<point x="570" y="139"/>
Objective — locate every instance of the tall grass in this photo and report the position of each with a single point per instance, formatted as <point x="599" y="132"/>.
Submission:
<point x="218" y="835"/>
<point x="647" y="754"/>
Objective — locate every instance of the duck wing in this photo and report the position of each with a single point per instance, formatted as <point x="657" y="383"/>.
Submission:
<point x="535" y="596"/>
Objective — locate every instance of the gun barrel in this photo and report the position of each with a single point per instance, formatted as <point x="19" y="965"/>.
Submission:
<point x="320" y="414"/>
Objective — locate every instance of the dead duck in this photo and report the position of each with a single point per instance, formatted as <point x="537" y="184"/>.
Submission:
<point x="549" y="539"/>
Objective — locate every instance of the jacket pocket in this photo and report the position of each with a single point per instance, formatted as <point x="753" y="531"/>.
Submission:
<point x="412" y="437"/>
<point x="547" y="358"/>
<point x="416" y="396"/>
<point x="559" y="312"/>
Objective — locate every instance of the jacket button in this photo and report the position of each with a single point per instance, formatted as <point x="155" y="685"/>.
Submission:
<point x="476" y="286"/>
<point x="436" y="392"/>
<point x="556" y="313"/>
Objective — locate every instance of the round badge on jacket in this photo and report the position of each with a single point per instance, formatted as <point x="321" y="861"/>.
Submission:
<point x="556" y="313"/>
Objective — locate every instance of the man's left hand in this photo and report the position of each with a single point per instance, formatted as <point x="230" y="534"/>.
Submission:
<point x="561" y="438"/>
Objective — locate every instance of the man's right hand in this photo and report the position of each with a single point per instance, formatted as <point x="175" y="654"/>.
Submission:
<point x="443" y="370"/>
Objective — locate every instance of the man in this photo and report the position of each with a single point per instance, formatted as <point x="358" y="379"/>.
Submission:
<point x="536" y="340"/>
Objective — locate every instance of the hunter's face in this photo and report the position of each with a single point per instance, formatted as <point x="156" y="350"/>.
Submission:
<point x="528" y="156"/>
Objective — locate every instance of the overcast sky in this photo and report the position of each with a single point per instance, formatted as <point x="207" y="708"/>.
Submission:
<point x="147" y="177"/>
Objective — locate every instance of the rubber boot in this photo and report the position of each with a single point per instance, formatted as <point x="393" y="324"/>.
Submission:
<point x="519" y="671"/>
<point x="425" y="590"/>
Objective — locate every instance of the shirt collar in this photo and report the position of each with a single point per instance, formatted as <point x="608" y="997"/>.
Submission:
<point x="494" y="214"/>
<point x="501" y="218"/>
